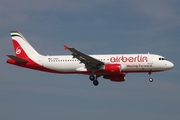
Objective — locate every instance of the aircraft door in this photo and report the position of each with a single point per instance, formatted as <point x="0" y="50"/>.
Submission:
<point x="150" y="59"/>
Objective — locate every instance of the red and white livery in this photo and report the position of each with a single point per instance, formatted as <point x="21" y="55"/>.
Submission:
<point x="112" y="66"/>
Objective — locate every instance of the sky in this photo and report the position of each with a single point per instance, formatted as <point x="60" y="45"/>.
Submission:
<point x="93" y="27"/>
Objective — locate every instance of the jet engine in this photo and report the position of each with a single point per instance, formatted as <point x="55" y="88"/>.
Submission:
<point x="115" y="77"/>
<point x="112" y="68"/>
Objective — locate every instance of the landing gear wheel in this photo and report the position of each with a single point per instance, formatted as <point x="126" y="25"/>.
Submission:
<point x="92" y="77"/>
<point x="150" y="79"/>
<point x="96" y="83"/>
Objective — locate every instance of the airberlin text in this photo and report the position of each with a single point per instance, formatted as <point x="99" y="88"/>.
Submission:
<point x="138" y="58"/>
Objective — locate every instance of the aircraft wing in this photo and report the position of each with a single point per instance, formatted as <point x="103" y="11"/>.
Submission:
<point x="91" y="63"/>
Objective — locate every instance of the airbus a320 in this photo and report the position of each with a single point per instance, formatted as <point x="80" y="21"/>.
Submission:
<point x="113" y="67"/>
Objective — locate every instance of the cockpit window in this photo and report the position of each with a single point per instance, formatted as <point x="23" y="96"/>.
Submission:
<point x="162" y="59"/>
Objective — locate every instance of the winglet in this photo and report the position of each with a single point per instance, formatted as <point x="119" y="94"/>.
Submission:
<point x="65" y="47"/>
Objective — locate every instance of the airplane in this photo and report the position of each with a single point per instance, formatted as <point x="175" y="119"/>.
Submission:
<point x="113" y="67"/>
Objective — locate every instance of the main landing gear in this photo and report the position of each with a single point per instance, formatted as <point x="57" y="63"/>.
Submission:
<point x="94" y="79"/>
<point x="150" y="78"/>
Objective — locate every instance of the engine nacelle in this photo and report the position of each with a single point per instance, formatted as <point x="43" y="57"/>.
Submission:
<point x="112" y="68"/>
<point x="116" y="77"/>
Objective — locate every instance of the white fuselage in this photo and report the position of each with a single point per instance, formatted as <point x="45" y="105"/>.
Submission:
<point x="128" y="62"/>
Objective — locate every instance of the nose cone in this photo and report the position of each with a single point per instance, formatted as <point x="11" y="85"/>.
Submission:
<point x="170" y="65"/>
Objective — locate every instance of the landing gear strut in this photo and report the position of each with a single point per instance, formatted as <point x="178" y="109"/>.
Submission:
<point x="150" y="79"/>
<point x="94" y="79"/>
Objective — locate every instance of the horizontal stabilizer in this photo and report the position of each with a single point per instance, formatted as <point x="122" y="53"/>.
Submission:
<point x="17" y="59"/>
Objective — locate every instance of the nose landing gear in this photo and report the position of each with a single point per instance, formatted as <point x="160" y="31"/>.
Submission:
<point x="150" y="78"/>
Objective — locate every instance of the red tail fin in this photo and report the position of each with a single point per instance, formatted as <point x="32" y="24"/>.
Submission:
<point x="19" y="50"/>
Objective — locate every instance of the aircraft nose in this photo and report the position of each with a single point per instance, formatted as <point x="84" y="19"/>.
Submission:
<point x="170" y="65"/>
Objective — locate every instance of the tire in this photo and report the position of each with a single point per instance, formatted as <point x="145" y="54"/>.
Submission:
<point x="150" y="79"/>
<point x="96" y="83"/>
<point x="92" y="77"/>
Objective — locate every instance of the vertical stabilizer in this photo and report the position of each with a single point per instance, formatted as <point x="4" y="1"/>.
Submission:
<point x="22" y="47"/>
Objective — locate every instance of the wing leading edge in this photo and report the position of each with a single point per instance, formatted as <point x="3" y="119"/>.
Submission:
<point x="91" y="64"/>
